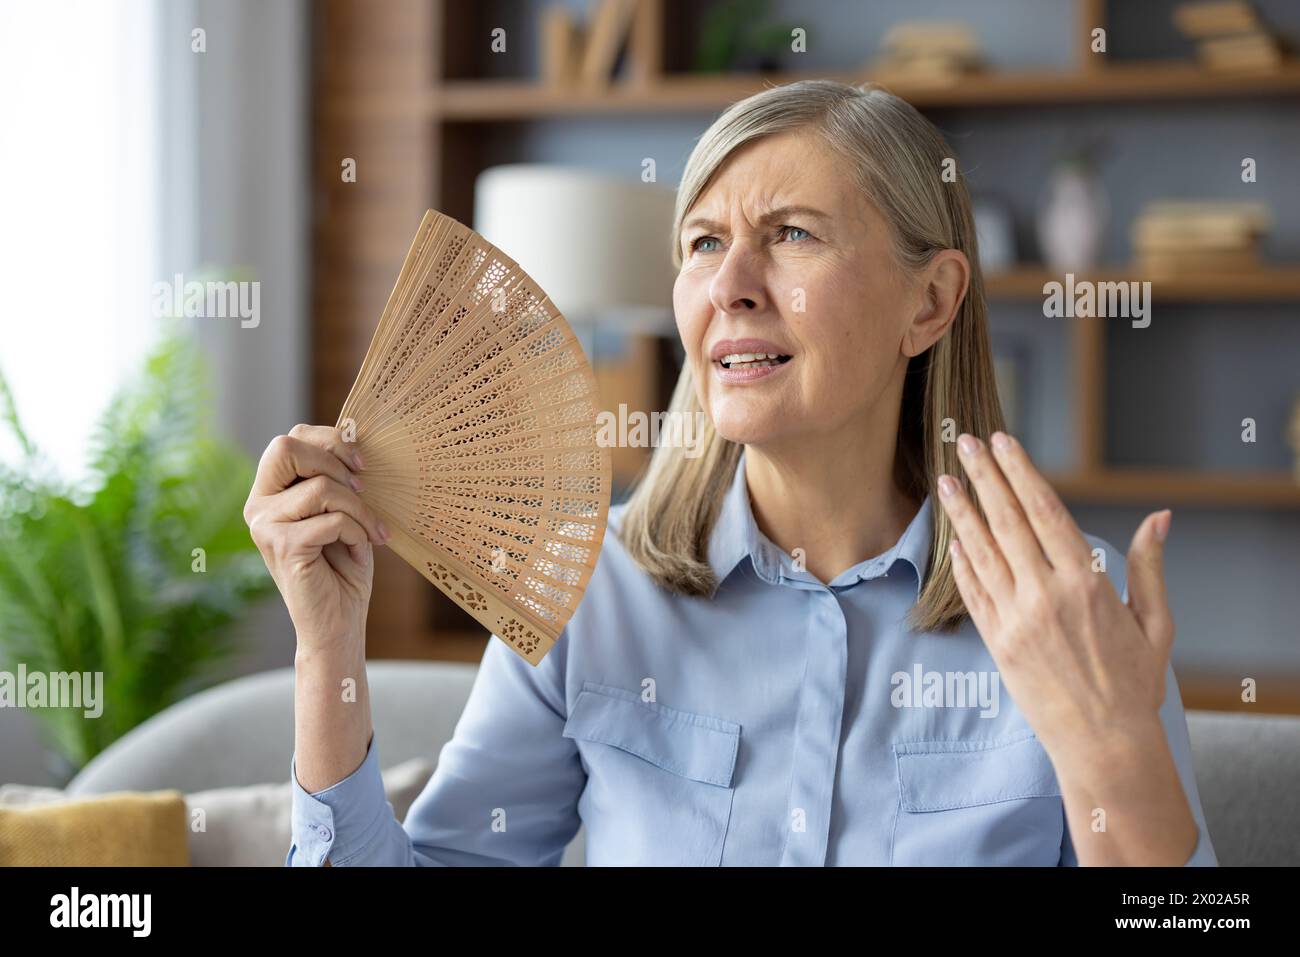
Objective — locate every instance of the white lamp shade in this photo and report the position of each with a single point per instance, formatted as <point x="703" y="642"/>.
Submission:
<point x="597" y="244"/>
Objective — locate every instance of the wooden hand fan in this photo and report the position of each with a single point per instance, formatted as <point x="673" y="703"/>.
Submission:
<point x="475" y="415"/>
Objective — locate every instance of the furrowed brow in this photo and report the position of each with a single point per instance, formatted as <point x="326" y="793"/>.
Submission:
<point x="771" y="216"/>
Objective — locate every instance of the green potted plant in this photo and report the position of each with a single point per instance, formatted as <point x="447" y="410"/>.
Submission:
<point x="739" y="35"/>
<point x="136" y="572"/>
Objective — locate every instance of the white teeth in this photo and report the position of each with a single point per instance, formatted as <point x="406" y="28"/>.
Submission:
<point x="750" y="360"/>
<point x="744" y="357"/>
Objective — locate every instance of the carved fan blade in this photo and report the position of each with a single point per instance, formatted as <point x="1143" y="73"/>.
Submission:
<point x="475" y="413"/>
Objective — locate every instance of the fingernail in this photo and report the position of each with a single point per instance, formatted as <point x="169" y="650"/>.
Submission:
<point x="1162" y="525"/>
<point x="383" y="531"/>
<point x="365" y="556"/>
<point x="355" y="483"/>
<point x="1001" y="441"/>
<point x="357" y="460"/>
<point x="967" y="444"/>
<point x="946" y="486"/>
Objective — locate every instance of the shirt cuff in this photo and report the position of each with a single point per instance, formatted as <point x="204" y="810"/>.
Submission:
<point x="336" y="823"/>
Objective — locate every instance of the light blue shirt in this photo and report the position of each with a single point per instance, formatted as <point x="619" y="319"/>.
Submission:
<point x="782" y="722"/>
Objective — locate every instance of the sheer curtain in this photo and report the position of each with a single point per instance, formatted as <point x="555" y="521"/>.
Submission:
<point x="126" y="157"/>
<point x="79" y="204"/>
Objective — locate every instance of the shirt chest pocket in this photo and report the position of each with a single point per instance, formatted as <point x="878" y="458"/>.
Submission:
<point x="975" y="803"/>
<point x="659" y="780"/>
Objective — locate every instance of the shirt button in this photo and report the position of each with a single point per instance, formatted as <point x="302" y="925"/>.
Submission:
<point x="324" y="832"/>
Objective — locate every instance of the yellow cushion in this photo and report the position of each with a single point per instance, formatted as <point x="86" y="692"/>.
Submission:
<point x="125" y="829"/>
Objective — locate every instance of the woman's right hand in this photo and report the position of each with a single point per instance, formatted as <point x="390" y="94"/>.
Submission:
<point x="315" y="533"/>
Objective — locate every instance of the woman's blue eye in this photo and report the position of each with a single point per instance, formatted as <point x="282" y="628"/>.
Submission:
<point x="785" y="231"/>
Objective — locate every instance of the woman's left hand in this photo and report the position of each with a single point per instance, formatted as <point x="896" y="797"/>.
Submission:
<point x="1082" y="666"/>
<point x="1087" y="670"/>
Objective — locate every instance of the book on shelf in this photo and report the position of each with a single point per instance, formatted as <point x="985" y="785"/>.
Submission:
<point x="1249" y="51"/>
<point x="607" y="34"/>
<point x="1229" y="35"/>
<point x="1187" y="236"/>
<point x="927" y="51"/>
<point x="588" y="54"/>
<point x="1219" y="18"/>
<point x="561" y="46"/>
<point x="1194" y="262"/>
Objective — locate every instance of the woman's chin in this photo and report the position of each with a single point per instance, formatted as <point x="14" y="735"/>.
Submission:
<point x="751" y="430"/>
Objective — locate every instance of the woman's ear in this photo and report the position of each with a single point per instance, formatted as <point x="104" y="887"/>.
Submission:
<point x="943" y="285"/>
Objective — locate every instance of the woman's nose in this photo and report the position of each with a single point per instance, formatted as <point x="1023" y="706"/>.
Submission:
<point x="737" y="286"/>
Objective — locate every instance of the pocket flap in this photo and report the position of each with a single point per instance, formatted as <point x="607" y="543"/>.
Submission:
<point x="941" y="775"/>
<point x="696" y="746"/>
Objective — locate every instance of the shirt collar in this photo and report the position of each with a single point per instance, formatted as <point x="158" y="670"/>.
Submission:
<point x="736" y="536"/>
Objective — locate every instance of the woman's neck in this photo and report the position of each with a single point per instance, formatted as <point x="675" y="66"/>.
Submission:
<point x="832" y="495"/>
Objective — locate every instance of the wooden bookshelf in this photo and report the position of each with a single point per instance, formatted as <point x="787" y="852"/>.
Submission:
<point x="394" y="86"/>
<point x="485" y="101"/>
<point x="491" y="101"/>
<point x="1268" y="284"/>
<point x="1155" y="487"/>
<point x="1208" y="691"/>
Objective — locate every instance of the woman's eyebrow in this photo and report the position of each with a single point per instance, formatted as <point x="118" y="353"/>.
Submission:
<point x="772" y="215"/>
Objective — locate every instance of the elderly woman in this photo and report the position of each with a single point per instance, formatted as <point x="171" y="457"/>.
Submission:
<point x="848" y="632"/>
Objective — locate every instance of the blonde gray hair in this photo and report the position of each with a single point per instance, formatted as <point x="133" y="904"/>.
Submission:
<point x="896" y="157"/>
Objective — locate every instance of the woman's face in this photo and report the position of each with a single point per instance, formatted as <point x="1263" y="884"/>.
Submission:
<point x="784" y="258"/>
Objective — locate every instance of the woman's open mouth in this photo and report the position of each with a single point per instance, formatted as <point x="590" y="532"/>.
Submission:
<point x="742" y="367"/>
<point x="751" y="360"/>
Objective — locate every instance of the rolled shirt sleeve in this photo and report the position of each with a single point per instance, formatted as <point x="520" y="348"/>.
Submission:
<point x="505" y="790"/>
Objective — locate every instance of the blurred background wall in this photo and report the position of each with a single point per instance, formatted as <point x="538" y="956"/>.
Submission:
<point x="304" y="144"/>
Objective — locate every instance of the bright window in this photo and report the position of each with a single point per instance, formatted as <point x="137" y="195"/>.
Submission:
<point x="79" y="156"/>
